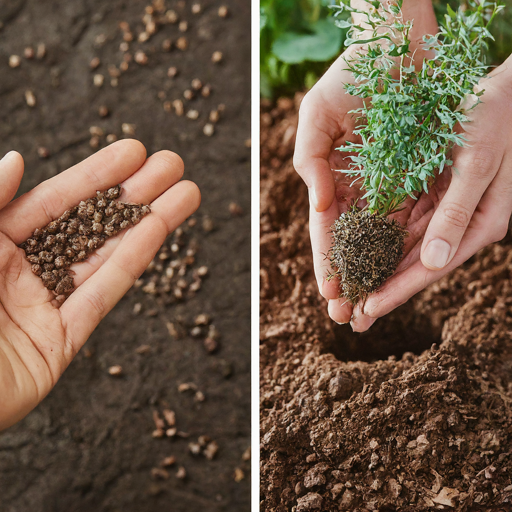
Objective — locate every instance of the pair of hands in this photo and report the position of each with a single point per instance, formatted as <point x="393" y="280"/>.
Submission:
<point x="468" y="206"/>
<point x="38" y="339"/>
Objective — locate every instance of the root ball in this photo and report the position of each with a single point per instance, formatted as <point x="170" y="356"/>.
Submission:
<point x="366" y="250"/>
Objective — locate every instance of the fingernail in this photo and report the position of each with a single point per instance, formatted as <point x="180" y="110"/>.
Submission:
<point x="312" y="198"/>
<point x="6" y="156"/>
<point x="437" y="253"/>
<point x="340" y="323"/>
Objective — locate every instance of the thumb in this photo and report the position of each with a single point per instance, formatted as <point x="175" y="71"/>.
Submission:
<point x="474" y="169"/>
<point x="11" y="172"/>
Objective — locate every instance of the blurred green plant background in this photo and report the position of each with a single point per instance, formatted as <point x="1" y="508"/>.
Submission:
<point x="299" y="40"/>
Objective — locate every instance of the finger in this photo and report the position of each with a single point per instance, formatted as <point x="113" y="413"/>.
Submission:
<point x="340" y="310"/>
<point x="160" y="172"/>
<point x="359" y="321"/>
<point x="11" y="172"/>
<point x="312" y="148"/>
<point x="489" y="224"/>
<point x="475" y="168"/>
<point x="84" y="309"/>
<point x="51" y="198"/>
<point x="320" y="233"/>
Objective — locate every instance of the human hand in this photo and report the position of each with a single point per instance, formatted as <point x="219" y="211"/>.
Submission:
<point x="37" y="338"/>
<point x="468" y="207"/>
<point x="324" y="125"/>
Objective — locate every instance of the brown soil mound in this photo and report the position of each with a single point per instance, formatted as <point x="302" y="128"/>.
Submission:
<point x="415" y="414"/>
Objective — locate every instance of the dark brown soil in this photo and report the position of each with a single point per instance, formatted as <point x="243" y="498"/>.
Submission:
<point x="415" y="414"/>
<point x="89" y="446"/>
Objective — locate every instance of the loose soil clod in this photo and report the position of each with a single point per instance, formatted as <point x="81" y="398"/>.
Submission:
<point x="76" y="234"/>
<point x="366" y="250"/>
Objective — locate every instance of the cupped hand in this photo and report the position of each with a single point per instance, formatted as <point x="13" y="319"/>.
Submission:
<point x="37" y="338"/>
<point x="468" y="208"/>
<point x="325" y="124"/>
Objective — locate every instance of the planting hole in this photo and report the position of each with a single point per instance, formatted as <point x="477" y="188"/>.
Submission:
<point x="403" y="330"/>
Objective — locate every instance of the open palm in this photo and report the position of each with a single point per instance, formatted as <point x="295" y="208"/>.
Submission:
<point x="38" y="336"/>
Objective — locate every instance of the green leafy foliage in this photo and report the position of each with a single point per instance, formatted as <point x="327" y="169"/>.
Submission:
<point x="299" y="18"/>
<point x="408" y="117"/>
<point x="298" y="39"/>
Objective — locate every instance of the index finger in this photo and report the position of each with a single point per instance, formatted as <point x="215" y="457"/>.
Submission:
<point x="53" y="197"/>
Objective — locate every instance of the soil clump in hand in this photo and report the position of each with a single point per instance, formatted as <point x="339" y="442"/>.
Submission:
<point x="366" y="250"/>
<point x="76" y="234"/>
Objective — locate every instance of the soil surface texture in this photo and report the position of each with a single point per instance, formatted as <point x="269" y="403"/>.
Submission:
<point x="154" y="412"/>
<point x="415" y="414"/>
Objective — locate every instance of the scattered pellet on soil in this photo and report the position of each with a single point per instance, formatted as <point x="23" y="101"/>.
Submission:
<point x="100" y="40"/>
<point x="196" y="332"/>
<point x="239" y="475"/>
<point x="182" y="43"/>
<point x="96" y="131"/>
<point x="211" y="450"/>
<point x="216" y="57"/>
<point x="14" y="61"/>
<point x="206" y="91"/>
<point x="194" y="448"/>
<point x="171" y="16"/>
<point x="214" y="116"/>
<point x="95" y="63"/>
<point x="196" y="8"/>
<point x="98" y="80"/>
<point x="196" y="84"/>
<point x="94" y="142"/>
<point x="168" y="461"/>
<point x="41" y="51"/>
<point x="172" y="72"/>
<point x="208" y="129"/>
<point x="199" y="396"/>
<point x="202" y="319"/>
<point x="30" y="98"/>
<point x="178" y="107"/>
<point x="171" y="432"/>
<point x="137" y="308"/>
<point x="111" y="137"/>
<point x="29" y="53"/>
<point x="181" y="473"/>
<point x="246" y="456"/>
<point x="158" y="433"/>
<point x="207" y="224"/>
<point x="158" y="420"/>
<point x="187" y="386"/>
<point x="103" y="111"/>
<point x="183" y="26"/>
<point x="235" y="209"/>
<point x="211" y="345"/>
<point x="167" y="45"/>
<point x="247" y="143"/>
<point x="192" y="114"/>
<point x="223" y="11"/>
<point x="115" y="370"/>
<point x="42" y="152"/>
<point x="202" y="271"/>
<point x="188" y="94"/>
<point x="128" y="129"/>
<point x="76" y="234"/>
<point x="141" y="58"/>
<point x="159" y="474"/>
<point x="143" y="349"/>
<point x="170" y="417"/>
